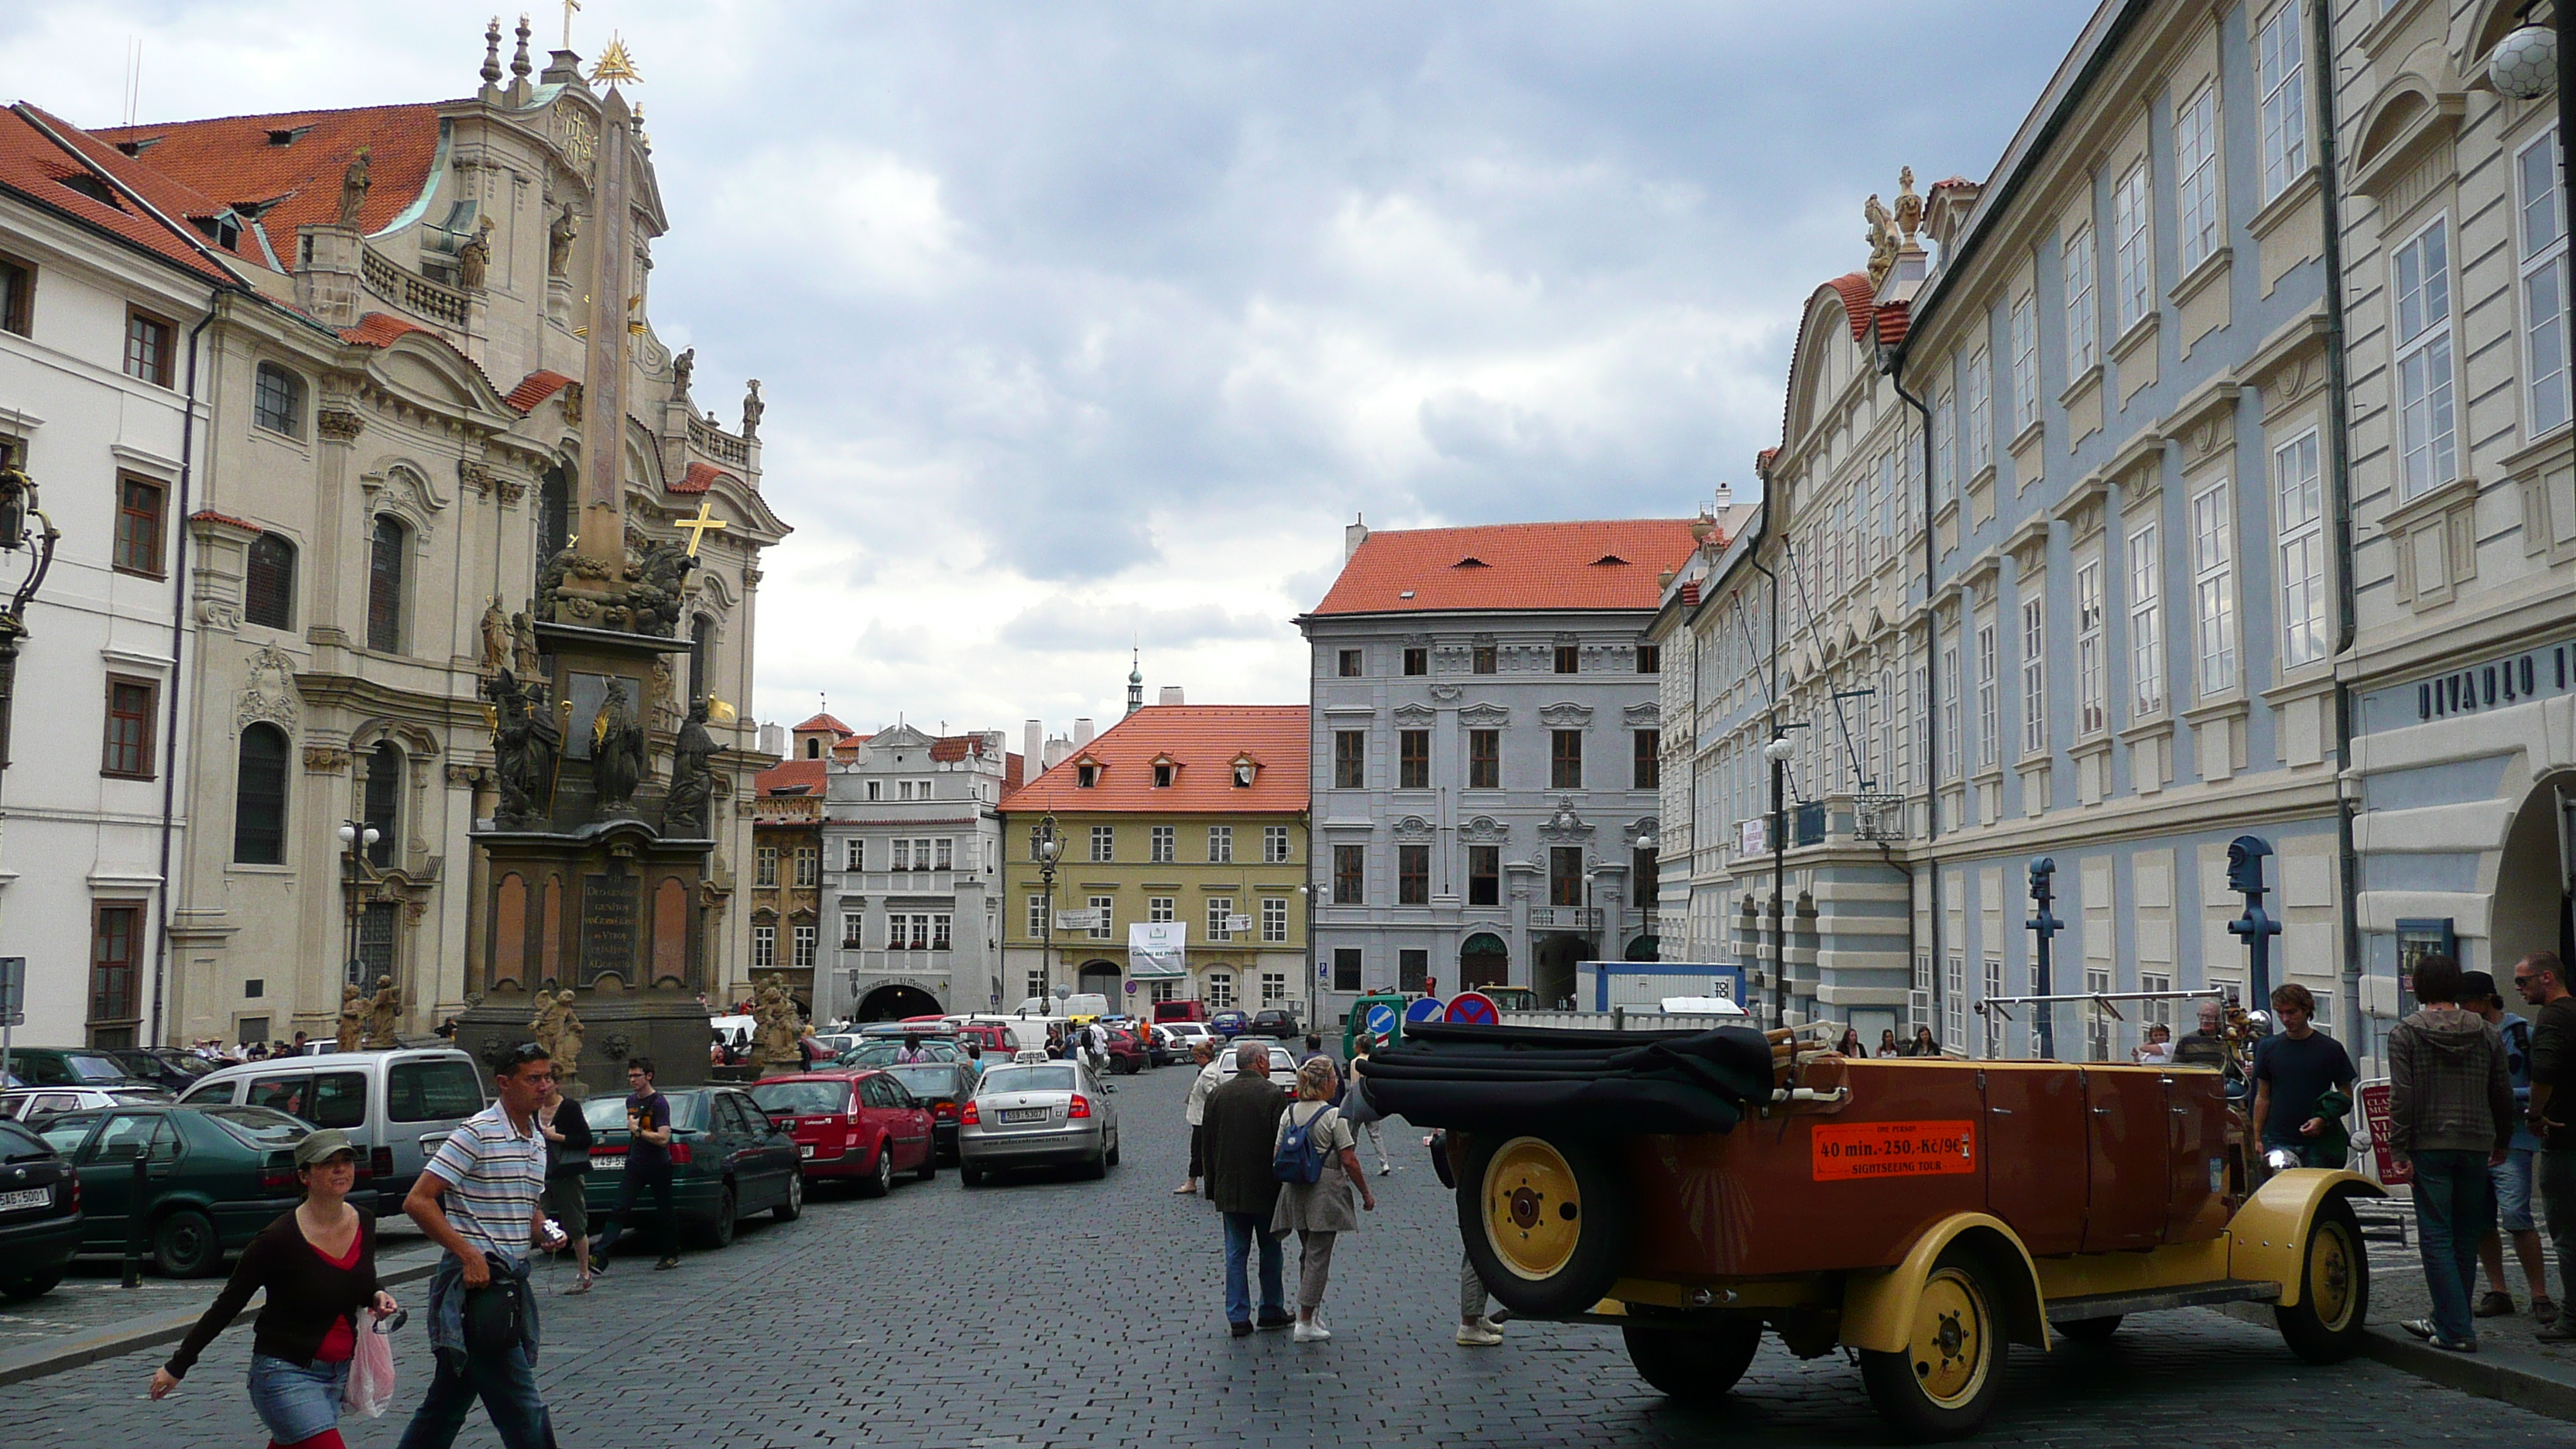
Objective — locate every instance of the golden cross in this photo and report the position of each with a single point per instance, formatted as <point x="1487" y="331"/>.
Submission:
<point x="699" y="525"/>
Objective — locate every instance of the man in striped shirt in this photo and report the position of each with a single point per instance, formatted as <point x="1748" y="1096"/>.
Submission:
<point x="478" y="1198"/>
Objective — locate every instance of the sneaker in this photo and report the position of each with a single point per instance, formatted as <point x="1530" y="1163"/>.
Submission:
<point x="599" y="1265"/>
<point x="2543" y="1311"/>
<point x="1493" y="1323"/>
<point x="1187" y="1189"/>
<point x="579" y="1285"/>
<point x="2493" y="1304"/>
<point x="1242" y="1329"/>
<point x="2455" y="1345"/>
<point x="667" y="1264"/>
<point x="2422" y="1328"/>
<point x="1274" y="1320"/>
<point x="2560" y="1331"/>
<point x="1478" y="1334"/>
<point x="1384" y="1168"/>
<point x="1310" y="1333"/>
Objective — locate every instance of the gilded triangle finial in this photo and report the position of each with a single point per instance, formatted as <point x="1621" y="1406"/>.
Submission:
<point x="615" y="65"/>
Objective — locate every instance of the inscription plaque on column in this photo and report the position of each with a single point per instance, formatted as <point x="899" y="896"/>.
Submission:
<point x="608" y="926"/>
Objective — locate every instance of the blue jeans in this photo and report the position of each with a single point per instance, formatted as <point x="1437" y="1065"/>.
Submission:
<point x="507" y="1385"/>
<point x="296" y="1403"/>
<point x="1241" y="1231"/>
<point x="2454" y="1208"/>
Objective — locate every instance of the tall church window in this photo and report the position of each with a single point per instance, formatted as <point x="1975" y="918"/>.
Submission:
<point x="383" y="800"/>
<point x="259" y="797"/>
<point x="268" y="588"/>
<point x="385" y="585"/>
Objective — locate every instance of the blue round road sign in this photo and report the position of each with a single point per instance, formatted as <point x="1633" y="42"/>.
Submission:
<point x="1474" y="1008"/>
<point x="1381" y="1018"/>
<point x="1427" y="1008"/>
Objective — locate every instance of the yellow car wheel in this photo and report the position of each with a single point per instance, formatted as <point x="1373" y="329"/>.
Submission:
<point x="1545" y="1221"/>
<point x="2327" y="1323"/>
<point x="1943" y="1383"/>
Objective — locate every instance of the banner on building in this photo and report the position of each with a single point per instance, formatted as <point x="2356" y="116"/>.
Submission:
<point x="1157" y="950"/>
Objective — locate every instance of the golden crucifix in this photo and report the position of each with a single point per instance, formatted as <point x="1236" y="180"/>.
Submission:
<point x="699" y="525"/>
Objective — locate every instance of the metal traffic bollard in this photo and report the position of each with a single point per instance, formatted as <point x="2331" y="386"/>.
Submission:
<point x="2256" y="928"/>
<point x="134" y="1227"/>
<point x="2044" y="926"/>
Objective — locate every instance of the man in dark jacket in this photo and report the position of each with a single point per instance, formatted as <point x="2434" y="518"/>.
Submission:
<point x="2450" y="1111"/>
<point x="2542" y="979"/>
<point x="1239" y="1128"/>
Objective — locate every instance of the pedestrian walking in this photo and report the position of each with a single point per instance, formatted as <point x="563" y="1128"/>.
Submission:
<point x="1241" y="1120"/>
<point x="2512" y="1177"/>
<point x="1477" y="1327"/>
<point x="1318" y="1165"/>
<point x="479" y="1198"/>
<point x="568" y="1141"/>
<point x="2450" y="1110"/>
<point x="2293" y="1069"/>
<point x="1358" y="1110"/>
<point x="317" y="1264"/>
<point x="1194" y="1112"/>
<point x="2541" y="978"/>
<point x="648" y="1168"/>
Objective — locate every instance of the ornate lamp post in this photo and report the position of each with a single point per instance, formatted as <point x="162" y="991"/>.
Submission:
<point x="18" y="506"/>
<point x="1047" y="847"/>
<point x="356" y="839"/>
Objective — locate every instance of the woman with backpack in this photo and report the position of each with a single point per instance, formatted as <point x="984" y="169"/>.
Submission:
<point x="1317" y="1165"/>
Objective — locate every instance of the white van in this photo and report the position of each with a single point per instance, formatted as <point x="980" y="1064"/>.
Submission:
<point x="397" y="1106"/>
<point x="1086" y="1003"/>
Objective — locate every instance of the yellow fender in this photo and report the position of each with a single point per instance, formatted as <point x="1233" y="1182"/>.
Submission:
<point x="2267" y="1240"/>
<point x="1878" y="1305"/>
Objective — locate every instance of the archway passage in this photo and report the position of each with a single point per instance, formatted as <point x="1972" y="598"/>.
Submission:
<point x="2532" y="910"/>
<point x="1101" y="977"/>
<point x="894" y="1003"/>
<point x="1483" y="960"/>
<point x="1642" y="949"/>
<point x="1552" y="973"/>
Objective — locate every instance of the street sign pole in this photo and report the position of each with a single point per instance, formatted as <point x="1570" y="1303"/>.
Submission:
<point x="13" y="1004"/>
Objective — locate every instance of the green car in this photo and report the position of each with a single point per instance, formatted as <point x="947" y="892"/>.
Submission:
<point x="213" y="1177"/>
<point x="727" y="1162"/>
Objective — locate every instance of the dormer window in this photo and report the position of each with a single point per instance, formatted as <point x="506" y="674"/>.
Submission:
<point x="1608" y="558"/>
<point x="1245" y="768"/>
<point x="1163" y="774"/>
<point x="287" y="135"/>
<point x="1086" y="776"/>
<point x="1471" y="562"/>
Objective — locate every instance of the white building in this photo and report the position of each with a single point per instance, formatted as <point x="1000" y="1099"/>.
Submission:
<point x="912" y="847"/>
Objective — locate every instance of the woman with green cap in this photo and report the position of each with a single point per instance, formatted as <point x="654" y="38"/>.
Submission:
<point x="318" y="1265"/>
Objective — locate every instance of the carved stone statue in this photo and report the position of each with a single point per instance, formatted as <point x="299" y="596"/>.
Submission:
<point x="382" y="1008"/>
<point x="353" y="1011"/>
<point x="354" y="181"/>
<point x="559" y="235"/>
<point x="616" y="752"/>
<point x="524" y="744"/>
<point x="474" y="259"/>
<point x="682" y="367"/>
<point x="1882" y="239"/>
<point x="693" y="781"/>
<point x="661" y="575"/>
<point x="752" y="408"/>
<point x="776" y="1028"/>
<point x="523" y="646"/>
<point x="496" y="638"/>
<point x="547" y="1024"/>
<point x="1909" y="207"/>
<point x="567" y="1047"/>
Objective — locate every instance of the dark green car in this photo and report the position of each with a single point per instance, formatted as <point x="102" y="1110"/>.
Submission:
<point x="727" y="1163"/>
<point x="213" y="1177"/>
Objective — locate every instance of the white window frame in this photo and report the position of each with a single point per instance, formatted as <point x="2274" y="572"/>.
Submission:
<point x="1219" y="986"/>
<point x="947" y="854"/>
<point x="1275" y="844"/>
<point x="854" y="854"/>
<point x="1107" y="906"/>
<point x="1159" y="909"/>
<point x="2213" y="589"/>
<point x="2146" y="623"/>
<point x="1950" y="715"/>
<point x="2034" y="673"/>
<point x="2425" y="376"/>
<point x="2297" y="493"/>
<point x="2280" y="72"/>
<point x="2544" y="281"/>
<point x="1954" y="1003"/>
<point x="1037" y="917"/>
<point x="2133" y="262"/>
<point x="1989" y="704"/>
<point x="801" y="945"/>
<point x="1160" y="847"/>
<point x="1104" y="844"/>
<point x="2200" y="222"/>
<point x="764" y="948"/>
<point x="1945" y="450"/>
<point x="2083" y="303"/>
<point x="854" y="930"/>
<point x="1220" y="845"/>
<point x="942" y="931"/>
<point x="1994" y="987"/>
<point x="1218" y="909"/>
<point x="2091" y="717"/>
<point x="2025" y="363"/>
<point x="1274" y="919"/>
<point x="1981" y="413"/>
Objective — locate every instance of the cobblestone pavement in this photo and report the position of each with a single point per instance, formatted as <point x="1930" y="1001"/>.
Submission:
<point x="93" y="1294"/>
<point x="1058" y="1312"/>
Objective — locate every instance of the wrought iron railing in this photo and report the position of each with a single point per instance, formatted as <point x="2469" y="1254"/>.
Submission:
<point x="1878" y="817"/>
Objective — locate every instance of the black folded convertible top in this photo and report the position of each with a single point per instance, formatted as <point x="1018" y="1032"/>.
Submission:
<point x="1524" y="1078"/>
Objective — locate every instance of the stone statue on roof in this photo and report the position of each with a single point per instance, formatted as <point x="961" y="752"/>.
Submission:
<point x="752" y="408"/>
<point x="1882" y="239"/>
<point x="559" y="235"/>
<point x="354" y="182"/>
<point x="474" y="259"/>
<point x="682" y="367"/>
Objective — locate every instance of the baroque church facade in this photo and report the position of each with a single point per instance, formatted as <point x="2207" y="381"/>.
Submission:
<point x="383" y="421"/>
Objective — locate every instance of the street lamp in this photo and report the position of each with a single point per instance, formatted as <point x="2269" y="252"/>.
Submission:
<point x="356" y="839"/>
<point x="1315" y="971"/>
<point x="1644" y="845"/>
<point x="1778" y="752"/>
<point x="1047" y="847"/>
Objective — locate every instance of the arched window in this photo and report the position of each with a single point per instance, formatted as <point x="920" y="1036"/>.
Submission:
<point x="384" y="800"/>
<point x="277" y="401"/>
<point x="268" y="591"/>
<point x="385" y="585"/>
<point x="259" y="797"/>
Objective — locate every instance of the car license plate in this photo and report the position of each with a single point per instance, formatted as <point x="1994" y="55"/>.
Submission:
<point x="34" y="1197"/>
<point x="1026" y="1114"/>
<point x="608" y="1164"/>
<point x="804" y="1149"/>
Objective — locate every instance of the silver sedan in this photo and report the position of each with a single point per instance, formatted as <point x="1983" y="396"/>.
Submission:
<point x="1037" y="1114"/>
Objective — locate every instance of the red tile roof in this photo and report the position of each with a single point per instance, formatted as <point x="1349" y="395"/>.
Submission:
<point x="208" y="515"/>
<point x="1892" y="320"/>
<point x="381" y="329"/>
<point x="1609" y="564"/>
<point x="822" y="722"/>
<point x="1204" y="739"/>
<point x="231" y="159"/>
<point x="699" y="478"/>
<point x="803" y="777"/>
<point x="36" y="166"/>
<point x="535" y="388"/>
<point x="1856" y="292"/>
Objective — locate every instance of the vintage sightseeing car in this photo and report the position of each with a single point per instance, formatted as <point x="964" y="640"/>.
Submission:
<point x="1696" y="1189"/>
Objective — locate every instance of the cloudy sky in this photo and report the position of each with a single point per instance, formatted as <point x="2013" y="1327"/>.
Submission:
<point x="1089" y="322"/>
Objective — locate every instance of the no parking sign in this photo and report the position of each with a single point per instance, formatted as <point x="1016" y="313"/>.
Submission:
<point x="1474" y="1008"/>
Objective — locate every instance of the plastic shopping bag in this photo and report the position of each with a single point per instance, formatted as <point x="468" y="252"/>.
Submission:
<point x="371" y="1375"/>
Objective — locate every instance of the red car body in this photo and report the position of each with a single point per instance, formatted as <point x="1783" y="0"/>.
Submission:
<point x="993" y="1040"/>
<point x="842" y="1134"/>
<point x="1180" y="1011"/>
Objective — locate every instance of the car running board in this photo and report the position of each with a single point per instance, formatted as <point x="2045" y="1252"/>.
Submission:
<point x="2197" y="1295"/>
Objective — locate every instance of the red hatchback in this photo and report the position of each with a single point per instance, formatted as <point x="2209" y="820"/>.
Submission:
<point x="860" y="1125"/>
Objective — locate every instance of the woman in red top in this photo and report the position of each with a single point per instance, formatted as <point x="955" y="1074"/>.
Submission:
<point x="318" y="1264"/>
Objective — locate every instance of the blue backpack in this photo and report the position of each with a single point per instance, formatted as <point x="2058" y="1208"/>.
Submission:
<point x="1300" y="1157"/>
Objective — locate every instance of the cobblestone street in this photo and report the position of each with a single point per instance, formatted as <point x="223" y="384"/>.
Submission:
<point x="1057" y="1312"/>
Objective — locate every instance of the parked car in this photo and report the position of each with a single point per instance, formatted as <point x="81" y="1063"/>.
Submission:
<point x="214" y="1176"/>
<point x="1186" y="1035"/>
<point x="70" y="1067"/>
<point x="168" y="1068"/>
<point x="397" y="1106"/>
<point x="991" y="1037"/>
<point x="727" y="1161"/>
<point x="26" y="1104"/>
<point x="1276" y="1023"/>
<point x="1126" y="1053"/>
<point x="880" y="1052"/>
<point x="858" y="1127"/>
<point x="40" y="1214"/>
<point x="942" y="1088"/>
<point x="1229" y="1024"/>
<point x="1040" y="1115"/>
<point x="1162" y="1048"/>
<point x="1171" y="1012"/>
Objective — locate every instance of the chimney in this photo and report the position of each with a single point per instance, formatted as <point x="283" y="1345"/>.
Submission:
<point x="1354" y="536"/>
<point x="1171" y="694"/>
<point x="1033" y="746"/>
<point x="1081" y="733"/>
<point x="1056" y="751"/>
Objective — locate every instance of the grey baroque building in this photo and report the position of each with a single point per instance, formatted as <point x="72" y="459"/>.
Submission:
<point x="912" y="873"/>
<point x="1486" y="754"/>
